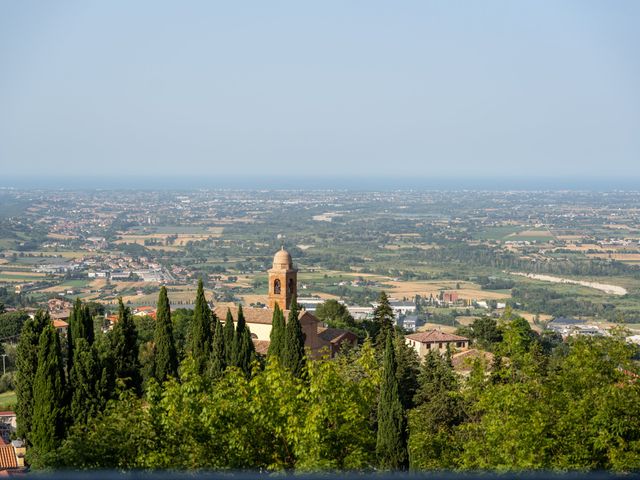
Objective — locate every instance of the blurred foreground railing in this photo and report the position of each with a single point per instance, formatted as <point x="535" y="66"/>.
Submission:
<point x="166" y="475"/>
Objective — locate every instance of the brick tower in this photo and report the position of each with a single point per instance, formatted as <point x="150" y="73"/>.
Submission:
<point x="283" y="280"/>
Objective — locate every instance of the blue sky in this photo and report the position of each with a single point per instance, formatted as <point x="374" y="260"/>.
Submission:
<point x="329" y="88"/>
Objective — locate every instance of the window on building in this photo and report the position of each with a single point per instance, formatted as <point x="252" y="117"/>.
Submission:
<point x="276" y="286"/>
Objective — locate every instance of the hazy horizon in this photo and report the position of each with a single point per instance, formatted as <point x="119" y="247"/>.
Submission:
<point x="386" y="90"/>
<point x="318" y="182"/>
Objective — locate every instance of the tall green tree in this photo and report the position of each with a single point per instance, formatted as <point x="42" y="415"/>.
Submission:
<point x="384" y="319"/>
<point x="244" y="351"/>
<point x="439" y="409"/>
<point x="11" y="323"/>
<point x="72" y="321"/>
<point x="391" y="445"/>
<point x="407" y="371"/>
<point x="81" y="322"/>
<point x="229" y="333"/>
<point x="88" y="392"/>
<point x="293" y="356"/>
<point x="277" y="336"/>
<point x="27" y="364"/>
<point x="201" y="332"/>
<point x="80" y="326"/>
<point x="335" y="314"/>
<point x="217" y="363"/>
<point x="49" y="409"/>
<point x="123" y="340"/>
<point x="165" y="356"/>
<point x="485" y="331"/>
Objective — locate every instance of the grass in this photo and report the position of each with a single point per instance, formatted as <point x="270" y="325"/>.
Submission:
<point x="7" y="400"/>
<point x="175" y="230"/>
<point x="20" y="278"/>
<point x="498" y="233"/>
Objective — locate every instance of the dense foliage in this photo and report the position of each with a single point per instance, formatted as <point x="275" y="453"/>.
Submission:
<point x="534" y="404"/>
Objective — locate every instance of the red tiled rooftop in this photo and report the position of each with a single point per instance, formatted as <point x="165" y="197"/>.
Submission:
<point x="436" y="336"/>
<point x="252" y="315"/>
<point x="59" y="323"/>
<point x="464" y="360"/>
<point x="261" y="346"/>
<point x="335" y="335"/>
<point x="8" y="457"/>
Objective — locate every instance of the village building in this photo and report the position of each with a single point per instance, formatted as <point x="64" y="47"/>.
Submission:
<point x="60" y="325"/>
<point x="424" y="342"/>
<point x="145" y="311"/>
<point x="283" y="286"/>
<point x="12" y="457"/>
<point x="11" y="452"/>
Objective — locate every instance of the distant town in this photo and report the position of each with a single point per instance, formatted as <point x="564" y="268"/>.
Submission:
<point x="443" y="257"/>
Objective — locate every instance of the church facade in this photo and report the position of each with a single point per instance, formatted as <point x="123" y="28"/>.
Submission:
<point x="283" y="285"/>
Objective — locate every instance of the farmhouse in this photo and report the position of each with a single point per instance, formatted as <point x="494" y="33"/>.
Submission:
<point x="424" y="342"/>
<point x="283" y="285"/>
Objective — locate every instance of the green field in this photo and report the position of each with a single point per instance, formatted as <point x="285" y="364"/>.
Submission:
<point x="497" y="233"/>
<point x="513" y="233"/>
<point x="177" y="230"/>
<point x="20" y="278"/>
<point x="7" y="400"/>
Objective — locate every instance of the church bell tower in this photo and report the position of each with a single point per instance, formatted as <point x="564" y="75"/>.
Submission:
<point x="283" y="280"/>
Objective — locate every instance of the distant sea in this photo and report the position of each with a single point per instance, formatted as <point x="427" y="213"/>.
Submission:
<point x="141" y="182"/>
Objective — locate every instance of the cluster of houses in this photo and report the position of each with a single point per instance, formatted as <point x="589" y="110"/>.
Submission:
<point x="570" y="327"/>
<point x="12" y="452"/>
<point x="113" y="267"/>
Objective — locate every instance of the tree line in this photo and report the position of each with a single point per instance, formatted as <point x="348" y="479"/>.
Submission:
<point x="486" y="256"/>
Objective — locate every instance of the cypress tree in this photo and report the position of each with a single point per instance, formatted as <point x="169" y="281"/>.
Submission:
<point x="200" y="332"/>
<point x="244" y="351"/>
<point x="124" y="350"/>
<point x="276" y="344"/>
<point x="73" y="320"/>
<point x="391" y="444"/>
<point x="88" y="395"/>
<point x="247" y="351"/>
<point x="237" y="334"/>
<point x="81" y="323"/>
<point x="293" y="355"/>
<point x="229" y="333"/>
<point x="165" y="356"/>
<point x="87" y="331"/>
<point x="27" y="364"/>
<point x="49" y="409"/>
<point x="407" y="371"/>
<point x="218" y="362"/>
<point x="80" y="326"/>
<point x="384" y="319"/>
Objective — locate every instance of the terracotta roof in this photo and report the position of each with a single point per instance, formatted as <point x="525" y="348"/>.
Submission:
<point x="8" y="457"/>
<point x="336" y="335"/>
<point x="436" y="336"/>
<point x="282" y="260"/>
<point x="145" y="309"/>
<point x="262" y="346"/>
<point x="59" y="323"/>
<point x="254" y="315"/>
<point x="463" y="360"/>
